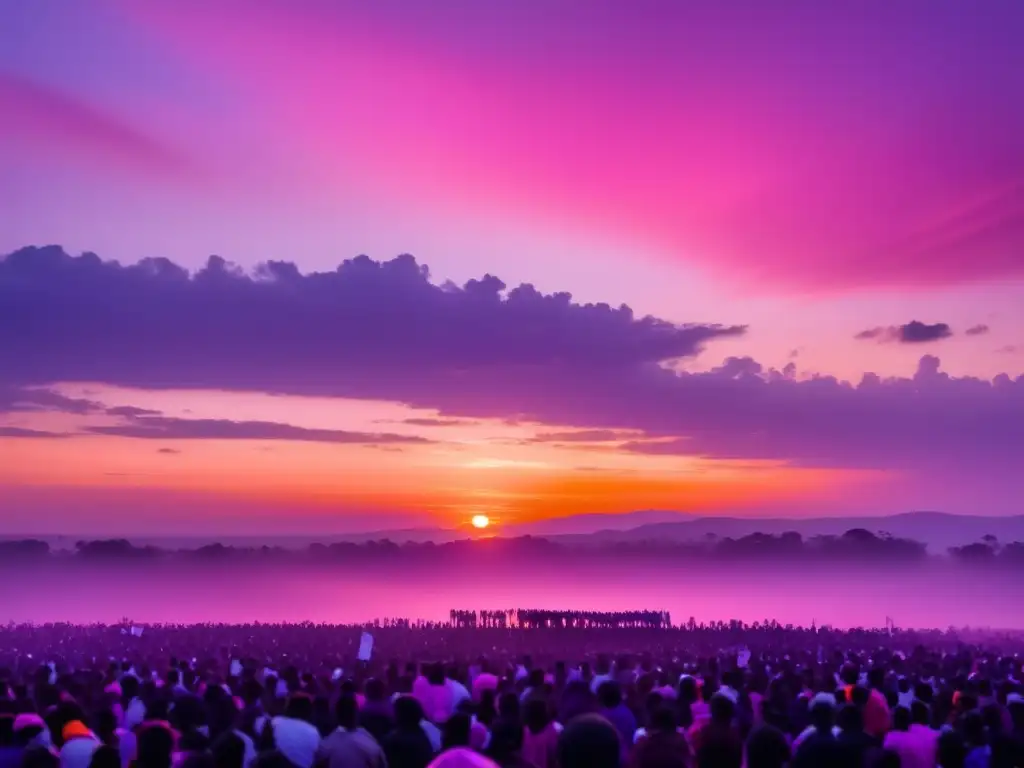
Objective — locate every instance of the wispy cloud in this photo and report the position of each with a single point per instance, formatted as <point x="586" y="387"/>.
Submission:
<point x="914" y="332"/>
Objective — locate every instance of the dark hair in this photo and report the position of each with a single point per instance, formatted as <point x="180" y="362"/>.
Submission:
<point x="300" y="707"/>
<point x="408" y="712"/>
<point x="850" y="718"/>
<point x="105" y="756"/>
<point x="508" y="706"/>
<point x="767" y="748"/>
<point x="822" y="716"/>
<point x="155" y="746"/>
<point x="663" y="720"/>
<point x="346" y="710"/>
<point x="487" y="711"/>
<point x="455" y="732"/>
<point x="887" y="758"/>
<point x="375" y="690"/>
<point x="506" y="739"/>
<point x="901" y="719"/>
<point x="722" y="709"/>
<point x="535" y="715"/>
<point x="609" y="694"/>
<point x="589" y="741"/>
<point x="951" y="750"/>
<point x="973" y="728"/>
<point x="39" y="757"/>
<point x="228" y="751"/>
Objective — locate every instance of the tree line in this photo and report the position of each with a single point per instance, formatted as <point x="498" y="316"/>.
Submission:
<point x="857" y="543"/>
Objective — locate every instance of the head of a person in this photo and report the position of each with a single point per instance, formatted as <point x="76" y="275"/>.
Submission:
<point x="456" y="731"/>
<point x="435" y="674"/>
<point x="506" y="739"/>
<point x="272" y="758"/>
<point x="536" y="678"/>
<point x="228" y="751"/>
<point x="876" y="678"/>
<point x="508" y="706"/>
<point x="823" y="713"/>
<point x="688" y="692"/>
<point x="589" y="741"/>
<point x="408" y="713"/>
<point x="951" y="751"/>
<point x="973" y="729"/>
<point x="609" y="694"/>
<point x="300" y="707"/>
<point x="487" y="709"/>
<point x="39" y="757"/>
<point x="901" y="719"/>
<point x="992" y="718"/>
<point x="767" y="747"/>
<point x="850" y="719"/>
<point x="346" y="711"/>
<point x="849" y="674"/>
<point x="663" y="720"/>
<point x="1015" y="706"/>
<point x="105" y="756"/>
<point x="154" y="746"/>
<point x="723" y="710"/>
<point x="376" y="691"/>
<point x="535" y="715"/>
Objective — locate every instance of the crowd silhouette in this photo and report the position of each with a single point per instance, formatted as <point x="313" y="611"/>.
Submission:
<point x="532" y="618"/>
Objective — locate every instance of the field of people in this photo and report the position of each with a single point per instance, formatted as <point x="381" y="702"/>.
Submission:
<point x="508" y="687"/>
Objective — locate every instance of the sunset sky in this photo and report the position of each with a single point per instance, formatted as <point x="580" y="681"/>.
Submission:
<point x="733" y="257"/>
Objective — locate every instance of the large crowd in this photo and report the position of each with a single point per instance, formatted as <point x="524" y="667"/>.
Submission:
<point x="579" y="691"/>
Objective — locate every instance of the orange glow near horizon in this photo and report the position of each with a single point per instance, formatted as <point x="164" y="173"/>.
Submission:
<point x="470" y="470"/>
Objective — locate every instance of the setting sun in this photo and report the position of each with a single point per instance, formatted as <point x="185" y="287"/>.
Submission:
<point x="480" y="521"/>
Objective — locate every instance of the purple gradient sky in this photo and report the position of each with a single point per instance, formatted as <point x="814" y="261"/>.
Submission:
<point x="808" y="173"/>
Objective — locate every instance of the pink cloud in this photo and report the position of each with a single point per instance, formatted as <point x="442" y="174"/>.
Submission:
<point x="803" y="171"/>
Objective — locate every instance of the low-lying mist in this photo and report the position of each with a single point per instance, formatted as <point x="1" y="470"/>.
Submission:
<point x="843" y="592"/>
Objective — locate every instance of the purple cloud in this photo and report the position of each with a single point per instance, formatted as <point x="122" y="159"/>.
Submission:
<point x="914" y="332"/>
<point x="130" y="411"/>
<point x="977" y="330"/>
<point x="424" y="422"/>
<point x="31" y="433"/>
<point x="166" y="428"/>
<point x="582" y="436"/>
<point x="383" y="331"/>
<point x="80" y="318"/>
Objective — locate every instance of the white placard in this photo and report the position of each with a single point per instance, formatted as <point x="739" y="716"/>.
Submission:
<point x="743" y="658"/>
<point x="365" y="647"/>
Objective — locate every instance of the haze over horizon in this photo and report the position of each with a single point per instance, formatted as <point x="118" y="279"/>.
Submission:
<point x="707" y="258"/>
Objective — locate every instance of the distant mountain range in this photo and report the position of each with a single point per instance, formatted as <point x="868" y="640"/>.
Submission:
<point x="937" y="530"/>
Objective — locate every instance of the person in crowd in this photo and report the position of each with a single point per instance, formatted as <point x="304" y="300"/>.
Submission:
<point x="662" y="744"/>
<point x="377" y="714"/>
<point x="506" y="744"/>
<point x="767" y="747"/>
<point x="349" y="745"/>
<point x="615" y="711"/>
<point x="589" y="741"/>
<point x="717" y="743"/>
<point x="540" y="734"/>
<point x="407" y="745"/>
